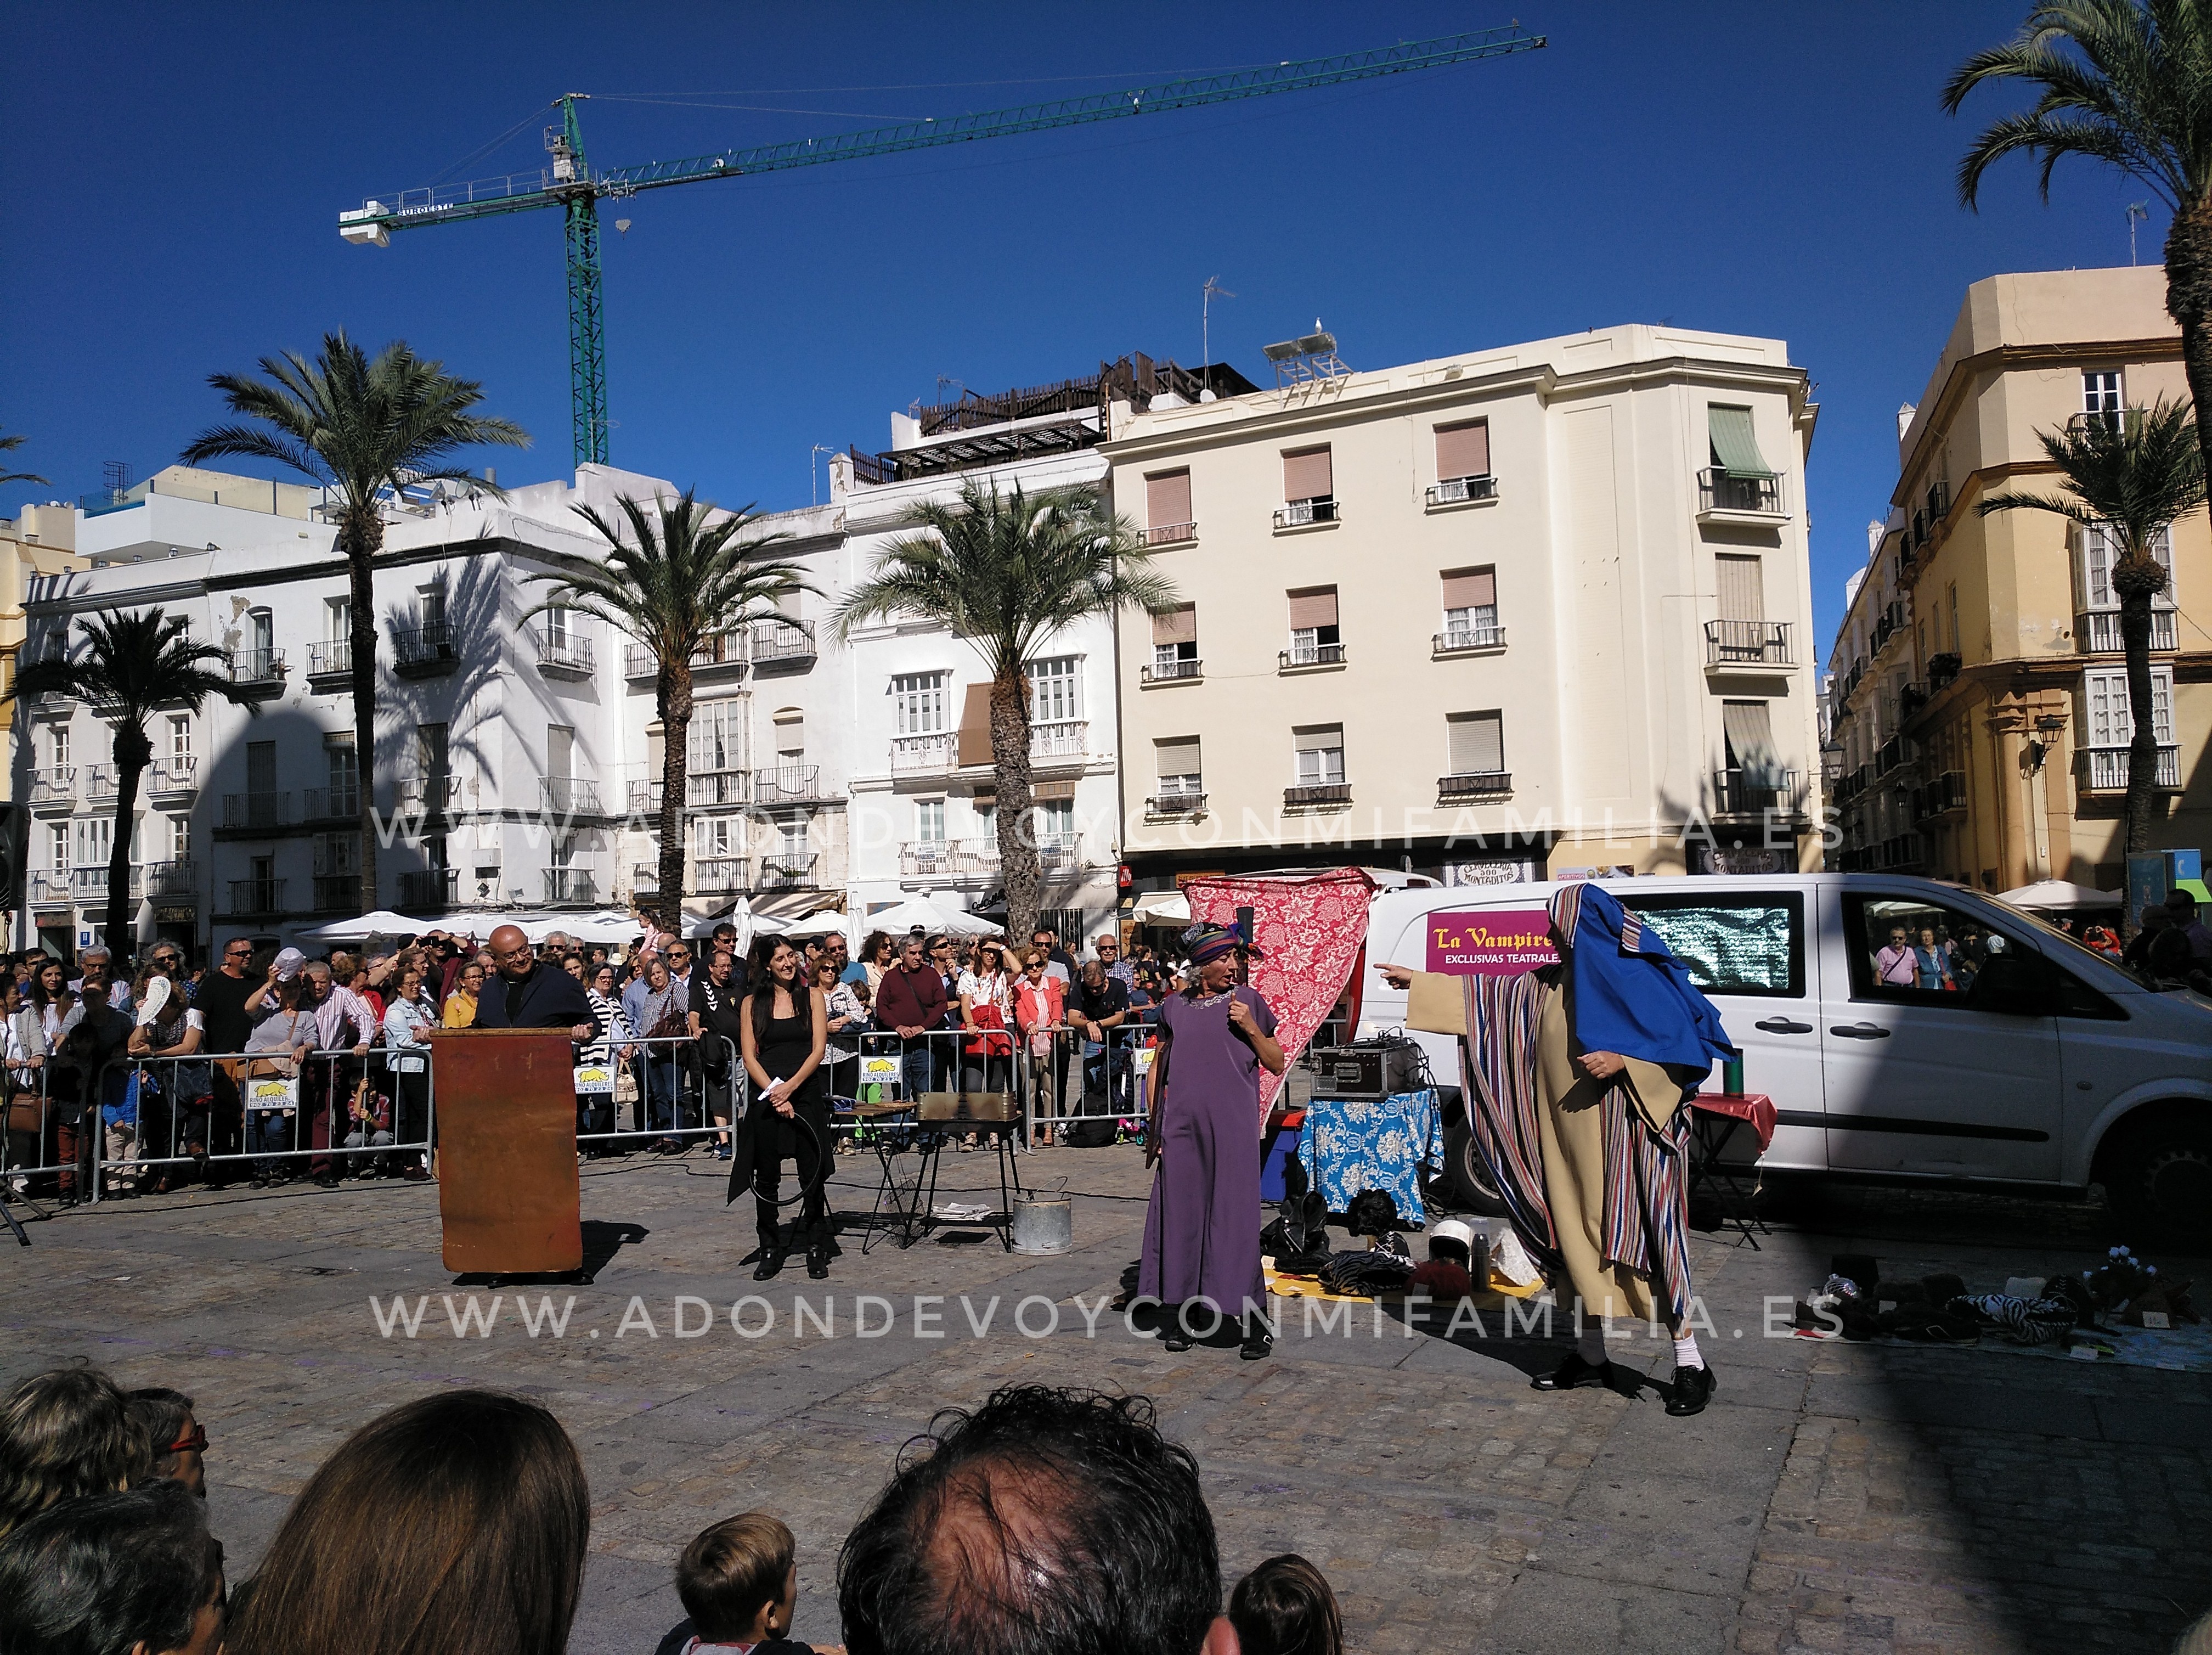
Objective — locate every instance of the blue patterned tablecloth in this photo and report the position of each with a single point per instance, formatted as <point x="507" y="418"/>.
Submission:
<point x="1366" y="1144"/>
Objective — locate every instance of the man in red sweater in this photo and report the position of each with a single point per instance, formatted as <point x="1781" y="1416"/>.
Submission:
<point x="911" y="1001"/>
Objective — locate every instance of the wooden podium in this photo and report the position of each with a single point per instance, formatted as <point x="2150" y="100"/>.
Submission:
<point x="508" y="1191"/>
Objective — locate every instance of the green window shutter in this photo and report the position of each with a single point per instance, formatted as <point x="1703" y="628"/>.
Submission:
<point x="1735" y="450"/>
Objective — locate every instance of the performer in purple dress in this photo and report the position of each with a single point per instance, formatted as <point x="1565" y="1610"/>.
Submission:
<point x="1202" y="1226"/>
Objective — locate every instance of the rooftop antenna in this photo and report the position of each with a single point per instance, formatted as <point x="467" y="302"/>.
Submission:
<point x="1206" y="297"/>
<point x="2136" y="209"/>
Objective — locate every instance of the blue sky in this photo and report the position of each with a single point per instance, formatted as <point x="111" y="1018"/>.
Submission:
<point x="176" y="172"/>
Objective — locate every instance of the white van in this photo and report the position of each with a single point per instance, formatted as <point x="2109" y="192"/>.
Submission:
<point x="2028" y="1062"/>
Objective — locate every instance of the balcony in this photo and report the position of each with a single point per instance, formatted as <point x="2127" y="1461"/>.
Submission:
<point x="1305" y="513"/>
<point x="1312" y="793"/>
<point x="257" y="673"/>
<point x="644" y="797"/>
<point x="256" y="898"/>
<point x="174" y="781"/>
<point x="1474" y="784"/>
<point x="2097" y="632"/>
<point x="571" y="885"/>
<point x="1310" y="657"/>
<point x="1753" y="792"/>
<point x="257" y="812"/>
<point x="1721" y="497"/>
<point x="174" y="881"/>
<point x="1058" y="853"/>
<point x="787" y="872"/>
<point x="340" y="893"/>
<point x="1467" y="641"/>
<point x="564" y="655"/>
<point x="717" y="789"/>
<point x="1943" y="796"/>
<point x="1942" y="670"/>
<point x="1177" y="801"/>
<point x="1172" y="671"/>
<point x="719" y="656"/>
<point x="566" y="796"/>
<point x="782" y="644"/>
<point x="89" y="884"/>
<point x="333" y="804"/>
<point x="45" y="890"/>
<point x="639" y="662"/>
<point x="922" y="755"/>
<point x="436" y="794"/>
<point x="1889" y="756"/>
<point x="2104" y="769"/>
<point x="330" y="664"/>
<point x="53" y="790"/>
<point x="1060" y="741"/>
<point x="1754" y="646"/>
<point x="951" y="860"/>
<point x="1461" y="491"/>
<point x="1911" y="698"/>
<point x="719" y="876"/>
<point x="427" y="888"/>
<point x="787" y="784"/>
<point x="424" y="651"/>
<point x="1170" y="534"/>
<point x="99" y="783"/>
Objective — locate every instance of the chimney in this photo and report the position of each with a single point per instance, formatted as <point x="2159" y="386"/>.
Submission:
<point x="1905" y="410"/>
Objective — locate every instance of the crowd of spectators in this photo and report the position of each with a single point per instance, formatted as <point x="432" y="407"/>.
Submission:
<point x="1044" y="1520"/>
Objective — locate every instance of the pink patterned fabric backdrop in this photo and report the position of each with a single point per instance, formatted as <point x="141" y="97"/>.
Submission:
<point x="1309" y="930"/>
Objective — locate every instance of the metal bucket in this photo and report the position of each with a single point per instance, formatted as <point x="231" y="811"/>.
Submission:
<point x="1044" y="1222"/>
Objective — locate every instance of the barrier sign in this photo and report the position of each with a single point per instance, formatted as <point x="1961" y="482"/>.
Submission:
<point x="273" y="1091"/>
<point x="595" y="1080"/>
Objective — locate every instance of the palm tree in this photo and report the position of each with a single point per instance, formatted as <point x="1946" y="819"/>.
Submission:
<point x="132" y="664"/>
<point x="1005" y="572"/>
<point x="8" y="445"/>
<point x="2131" y="478"/>
<point x="677" y="577"/>
<point x="363" y="427"/>
<point x="2135" y="92"/>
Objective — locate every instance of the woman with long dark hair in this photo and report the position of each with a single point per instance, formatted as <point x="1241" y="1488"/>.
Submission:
<point x="784" y="1025"/>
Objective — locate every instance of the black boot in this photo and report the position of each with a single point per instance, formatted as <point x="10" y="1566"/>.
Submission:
<point x="772" y="1253"/>
<point x="1692" y="1388"/>
<point x="817" y="1258"/>
<point x="1171" y="1329"/>
<point x="1573" y="1373"/>
<point x="1259" y="1338"/>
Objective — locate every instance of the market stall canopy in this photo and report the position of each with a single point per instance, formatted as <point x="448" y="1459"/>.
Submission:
<point x="920" y="914"/>
<point x="609" y="925"/>
<point x="384" y="923"/>
<point x="1164" y="908"/>
<point x="2057" y="894"/>
<point x="827" y="922"/>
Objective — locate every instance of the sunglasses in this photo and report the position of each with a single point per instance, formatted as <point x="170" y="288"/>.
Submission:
<point x="194" y="1444"/>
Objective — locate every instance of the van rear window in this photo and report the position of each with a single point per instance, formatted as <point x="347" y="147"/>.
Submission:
<point x="1752" y="945"/>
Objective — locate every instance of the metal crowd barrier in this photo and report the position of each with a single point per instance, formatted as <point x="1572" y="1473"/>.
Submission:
<point x="1074" y="1078"/>
<point x="40" y="1140"/>
<point x="668" y="1088"/>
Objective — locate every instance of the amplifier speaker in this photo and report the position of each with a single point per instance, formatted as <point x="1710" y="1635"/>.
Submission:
<point x="1372" y="1068"/>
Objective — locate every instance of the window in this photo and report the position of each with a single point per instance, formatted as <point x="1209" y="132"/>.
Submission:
<point x="1320" y="755"/>
<point x="1167" y="508"/>
<point x="430" y="753"/>
<point x="262" y="628"/>
<point x="58" y="847"/>
<point x="1734" y="443"/>
<point x="929" y="821"/>
<point x="337" y="853"/>
<point x="717" y="732"/>
<point x="180" y="838"/>
<point x="2110" y="724"/>
<point x="338" y="761"/>
<point x="918" y="703"/>
<point x="1315" y="638"/>
<point x="1752" y="945"/>
<point x="1748" y="735"/>
<point x="260" y="767"/>
<point x="1470" y="597"/>
<point x="1462" y="451"/>
<point x="1916" y="953"/>
<point x="1175" y="644"/>
<point x="180" y="737"/>
<point x="792" y="842"/>
<point x="560" y="752"/>
<point x="1475" y="744"/>
<point x="718" y="836"/>
<point x="790" y="736"/>
<point x="1056" y="689"/>
<point x="556" y="626"/>
<point x="1741" y="587"/>
<point x="1309" y="488"/>
<point x="95" y="836"/>
<point x="1175" y="762"/>
<point x="337" y="619"/>
<point x="1056" y="822"/>
<point x="430" y="604"/>
<point x="2101" y="391"/>
<point x="58" y="745"/>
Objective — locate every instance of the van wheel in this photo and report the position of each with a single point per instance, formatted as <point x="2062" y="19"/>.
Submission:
<point x="1465" y="1183"/>
<point x="2159" y="1181"/>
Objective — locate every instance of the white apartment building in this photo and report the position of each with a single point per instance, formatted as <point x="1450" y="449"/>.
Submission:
<point x="503" y="746"/>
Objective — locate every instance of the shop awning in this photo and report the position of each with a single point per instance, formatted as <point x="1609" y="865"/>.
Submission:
<point x="1735" y="446"/>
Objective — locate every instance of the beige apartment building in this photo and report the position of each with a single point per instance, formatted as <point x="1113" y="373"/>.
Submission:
<point x="1981" y="718"/>
<point x="1486" y="617"/>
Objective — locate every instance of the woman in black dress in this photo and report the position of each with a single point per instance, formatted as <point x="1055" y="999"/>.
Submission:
<point x="785" y="1023"/>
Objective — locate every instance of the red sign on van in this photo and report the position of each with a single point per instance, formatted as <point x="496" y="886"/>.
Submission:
<point x="1496" y="942"/>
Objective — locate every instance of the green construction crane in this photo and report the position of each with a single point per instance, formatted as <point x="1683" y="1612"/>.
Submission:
<point x="568" y="183"/>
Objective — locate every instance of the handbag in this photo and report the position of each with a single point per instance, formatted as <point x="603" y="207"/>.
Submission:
<point x="26" y="1113"/>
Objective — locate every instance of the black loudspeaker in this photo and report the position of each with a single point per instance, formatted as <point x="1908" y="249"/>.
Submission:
<point x="1372" y="1068"/>
<point x="11" y="856"/>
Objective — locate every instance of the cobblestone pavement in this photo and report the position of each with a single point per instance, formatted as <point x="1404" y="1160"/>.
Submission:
<point x="1834" y="1498"/>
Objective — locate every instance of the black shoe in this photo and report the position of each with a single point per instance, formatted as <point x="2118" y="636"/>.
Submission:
<point x="1175" y="1339"/>
<point x="1573" y="1373"/>
<point x="817" y="1261"/>
<point x="327" y="1180"/>
<point x="1692" y="1388"/>
<point x="771" y="1263"/>
<point x="1259" y="1342"/>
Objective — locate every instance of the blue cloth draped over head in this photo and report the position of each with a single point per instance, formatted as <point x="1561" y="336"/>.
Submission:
<point x="1630" y="995"/>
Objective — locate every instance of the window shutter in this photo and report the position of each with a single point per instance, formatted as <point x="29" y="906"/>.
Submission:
<point x="1750" y="737"/>
<point x="1178" y="625"/>
<point x="1470" y="588"/>
<point x="1046" y="793"/>
<point x="790" y="735"/>
<point x="1476" y="743"/>
<point x="1312" y="608"/>
<point x="1167" y="499"/>
<point x="1742" y="590"/>
<point x="1463" y="450"/>
<point x="1176" y="757"/>
<point x="1307" y="475"/>
<point x="1735" y="448"/>
<point x="975" y="725"/>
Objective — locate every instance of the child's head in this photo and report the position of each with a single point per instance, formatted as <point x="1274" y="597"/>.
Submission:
<point x="1285" y="1607"/>
<point x="738" y="1580"/>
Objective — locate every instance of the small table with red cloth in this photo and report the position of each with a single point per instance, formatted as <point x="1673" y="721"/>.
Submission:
<point x="1714" y="1118"/>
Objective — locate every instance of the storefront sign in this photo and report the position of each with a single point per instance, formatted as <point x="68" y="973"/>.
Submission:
<point x="1499" y="942"/>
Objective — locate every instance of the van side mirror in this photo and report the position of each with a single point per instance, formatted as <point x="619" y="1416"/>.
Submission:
<point x="2016" y="984"/>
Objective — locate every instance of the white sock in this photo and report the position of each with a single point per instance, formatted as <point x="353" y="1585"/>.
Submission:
<point x="1590" y="1347"/>
<point x="1686" y="1352"/>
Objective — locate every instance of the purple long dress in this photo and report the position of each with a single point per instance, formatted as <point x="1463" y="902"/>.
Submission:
<point x="1202" y="1226"/>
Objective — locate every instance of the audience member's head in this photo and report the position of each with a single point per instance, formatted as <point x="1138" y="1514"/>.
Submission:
<point x="2181" y="906"/>
<point x="63" y="1434"/>
<point x="128" y="1574"/>
<point x="1046" y="1519"/>
<point x="739" y="1580"/>
<point x="2170" y="955"/>
<point x="176" y="1439"/>
<point x="1285" y="1607"/>
<point x="456" y="1523"/>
